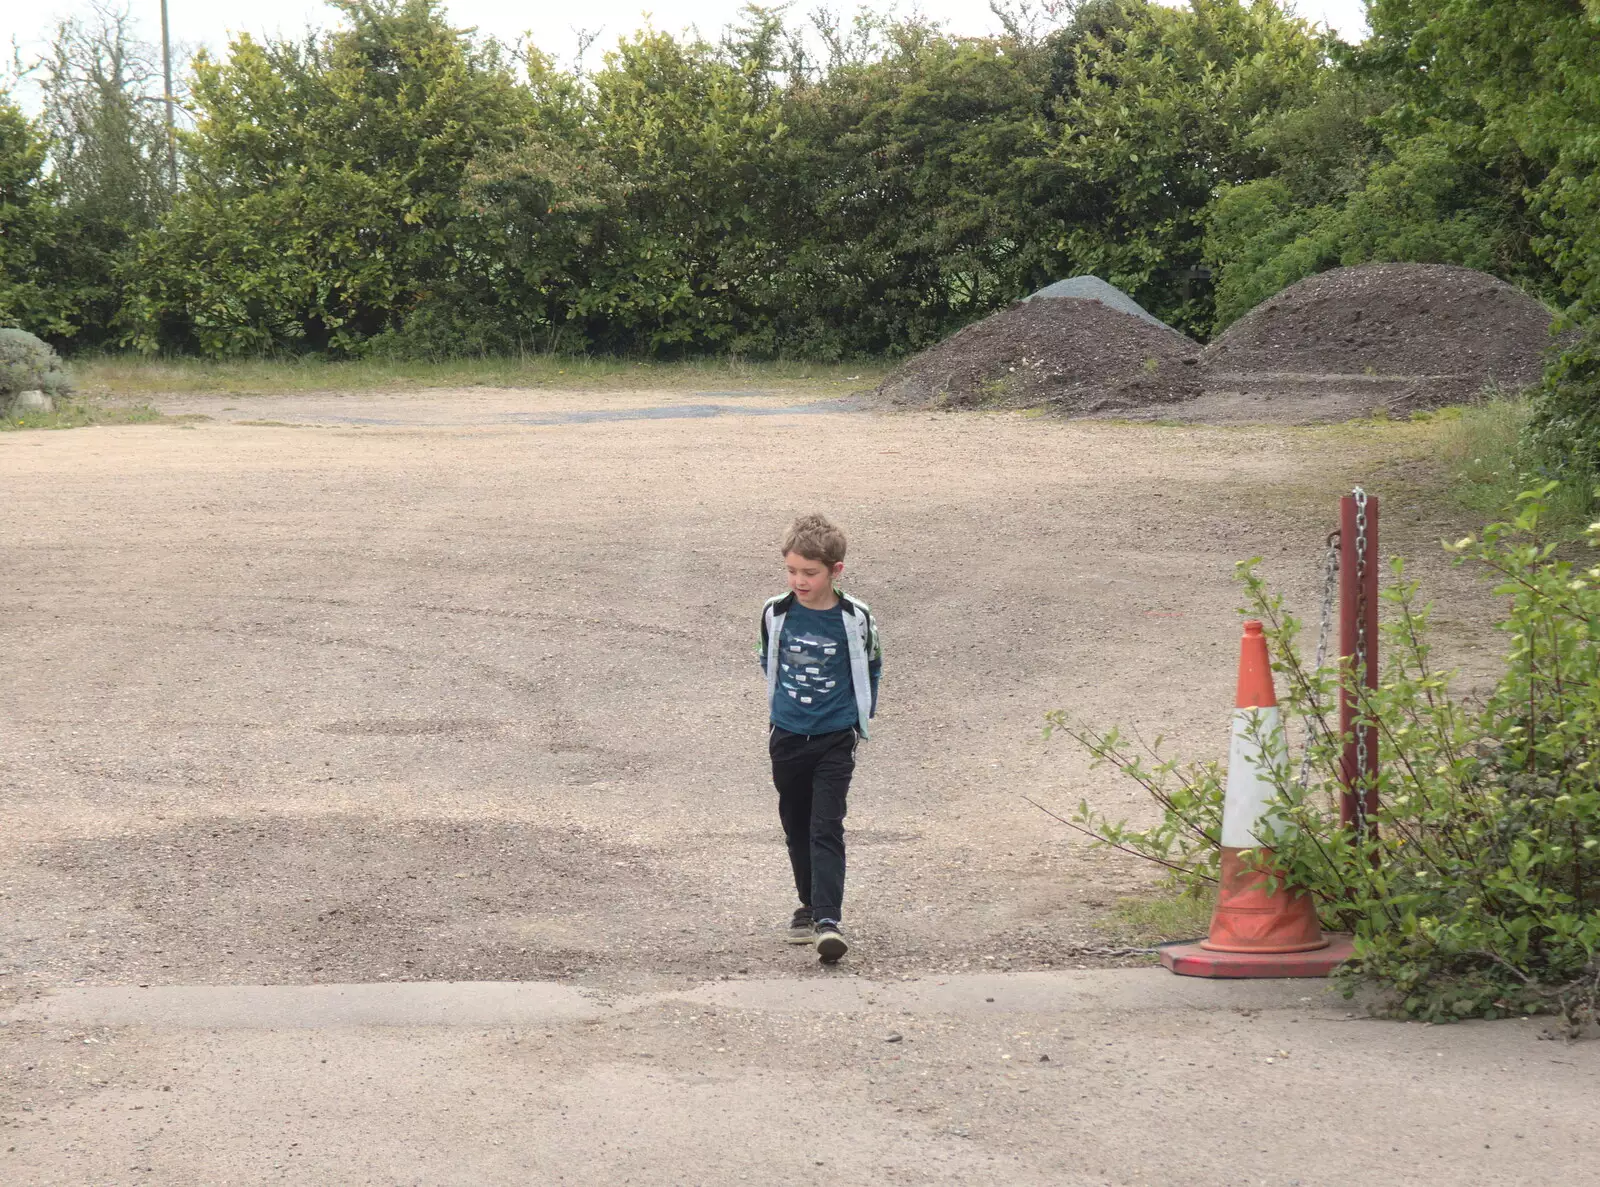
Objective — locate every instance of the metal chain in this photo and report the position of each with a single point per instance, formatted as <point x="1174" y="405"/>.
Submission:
<point x="1330" y="580"/>
<point x="1360" y="673"/>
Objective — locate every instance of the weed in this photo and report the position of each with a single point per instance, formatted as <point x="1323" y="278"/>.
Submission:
<point x="995" y="390"/>
<point x="1482" y="451"/>
<point x="1174" y="916"/>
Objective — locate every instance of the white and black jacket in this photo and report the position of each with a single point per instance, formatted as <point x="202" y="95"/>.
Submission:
<point x="861" y="634"/>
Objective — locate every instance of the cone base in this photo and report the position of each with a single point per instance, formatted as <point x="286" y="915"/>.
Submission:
<point x="1189" y="959"/>
<point x="1252" y="917"/>
<point x="1266" y="949"/>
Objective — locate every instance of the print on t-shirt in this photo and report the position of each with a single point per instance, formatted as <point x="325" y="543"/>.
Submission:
<point x="811" y="669"/>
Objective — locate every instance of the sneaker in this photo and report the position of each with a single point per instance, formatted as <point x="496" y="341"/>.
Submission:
<point x="802" y="929"/>
<point x="830" y="943"/>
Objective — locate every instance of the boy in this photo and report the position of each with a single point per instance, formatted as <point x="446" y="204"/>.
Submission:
<point x="820" y="651"/>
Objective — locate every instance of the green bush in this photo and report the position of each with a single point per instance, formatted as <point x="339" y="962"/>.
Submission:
<point x="28" y="364"/>
<point x="1425" y="207"/>
<point x="322" y="199"/>
<point x="30" y="227"/>
<point x="1564" y="430"/>
<point x="1478" y="892"/>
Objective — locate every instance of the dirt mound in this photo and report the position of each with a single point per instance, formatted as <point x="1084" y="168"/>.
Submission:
<point x="1072" y="356"/>
<point x="1454" y="329"/>
<point x="1092" y="288"/>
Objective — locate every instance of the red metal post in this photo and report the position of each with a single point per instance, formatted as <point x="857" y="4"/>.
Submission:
<point x="1358" y="600"/>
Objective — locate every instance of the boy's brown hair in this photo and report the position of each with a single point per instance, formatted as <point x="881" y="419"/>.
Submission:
<point x="816" y="539"/>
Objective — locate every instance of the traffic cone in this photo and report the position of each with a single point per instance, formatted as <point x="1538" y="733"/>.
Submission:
<point x="1255" y="933"/>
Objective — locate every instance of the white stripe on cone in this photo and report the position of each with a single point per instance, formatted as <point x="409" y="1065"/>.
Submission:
<point x="1250" y="788"/>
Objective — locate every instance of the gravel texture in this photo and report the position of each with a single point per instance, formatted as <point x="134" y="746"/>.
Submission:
<point x="452" y="698"/>
<point x="1454" y="330"/>
<point x="1070" y="356"/>
<point x="477" y="700"/>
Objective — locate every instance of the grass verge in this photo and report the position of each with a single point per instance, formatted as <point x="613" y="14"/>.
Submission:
<point x="81" y="414"/>
<point x="124" y="376"/>
<point x="1484" y="465"/>
<point x="1467" y="463"/>
<point x="1146" y="921"/>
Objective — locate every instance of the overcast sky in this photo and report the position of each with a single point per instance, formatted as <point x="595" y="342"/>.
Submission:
<point x="553" y="26"/>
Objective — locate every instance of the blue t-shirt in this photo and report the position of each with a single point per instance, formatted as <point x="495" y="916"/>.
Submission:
<point x="815" y="694"/>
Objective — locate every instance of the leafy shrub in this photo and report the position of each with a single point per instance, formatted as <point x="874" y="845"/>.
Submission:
<point x="28" y="364"/>
<point x="1477" y="893"/>
<point x="30" y="225"/>
<point x="323" y="194"/>
<point x="1564" y="430"/>
<point x="1425" y="207"/>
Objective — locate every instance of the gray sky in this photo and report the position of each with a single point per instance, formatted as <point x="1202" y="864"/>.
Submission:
<point x="553" y="26"/>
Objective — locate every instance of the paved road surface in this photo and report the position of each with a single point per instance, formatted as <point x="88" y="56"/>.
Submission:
<point x="1066" y="1078"/>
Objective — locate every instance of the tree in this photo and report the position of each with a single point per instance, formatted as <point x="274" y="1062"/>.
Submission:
<point x="1519" y="81"/>
<point x="1157" y="110"/>
<point x="695" y="133"/>
<point x="1425" y="206"/>
<point x="322" y="199"/>
<point x="1484" y="153"/>
<point x="926" y="186"/>
<point x="29" y="229"/>
<point x="747" y="196"/>
<point x="104" y="123"/>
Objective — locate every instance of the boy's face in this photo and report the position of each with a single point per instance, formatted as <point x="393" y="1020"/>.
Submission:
<point x="812" y="581"/>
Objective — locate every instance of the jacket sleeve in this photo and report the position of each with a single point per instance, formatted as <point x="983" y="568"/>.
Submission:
<point x="761" y="645"/>
<point x="874" y="660"/>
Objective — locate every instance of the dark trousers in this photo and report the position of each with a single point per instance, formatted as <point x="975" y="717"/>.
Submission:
<point x="812" y="773"/>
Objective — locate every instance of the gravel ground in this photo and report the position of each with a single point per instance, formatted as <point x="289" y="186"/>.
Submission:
<point x="479" y="701"/>
<point x="461" y="687"/>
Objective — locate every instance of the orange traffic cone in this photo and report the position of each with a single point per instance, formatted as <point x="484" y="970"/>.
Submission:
<point x="1256" y="931"/>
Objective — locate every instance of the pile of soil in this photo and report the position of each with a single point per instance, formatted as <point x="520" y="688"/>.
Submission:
<point x="1072" y="356"/>
<point x="1454" y="329"/>
<point x="1092" y="288"/>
